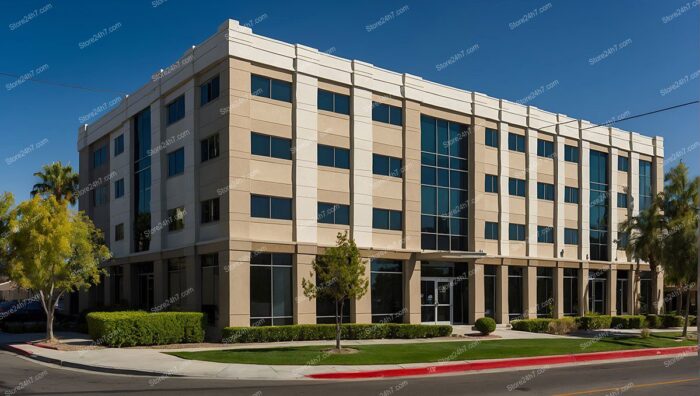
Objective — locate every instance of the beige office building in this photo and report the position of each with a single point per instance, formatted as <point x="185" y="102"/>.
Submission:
<point x="220" y="180"/>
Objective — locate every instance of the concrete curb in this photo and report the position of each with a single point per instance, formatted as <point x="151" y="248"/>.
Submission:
<point x="505" y="363"/>
<point x="87" y="367"/>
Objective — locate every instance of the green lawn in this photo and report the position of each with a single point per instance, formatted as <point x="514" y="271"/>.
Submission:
<point x="432" y="352"/>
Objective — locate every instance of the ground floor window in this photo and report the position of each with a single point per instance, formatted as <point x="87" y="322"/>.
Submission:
<point x="325" y="311"/>
<point x="622" y="290"/>
<point x="571" y="291"/>
<point x="387" y="291"/>
<point x="596" y="291"/>
<point x="545" y="293"/>
<point x="144" y="284"/>
<point x="271" y="289"/>
<point x="210" y="287"/>
<point x="116" y="280"/>
<point x="515" y="293"/>
<point x="645" y="292"/>
<point x="177" y="279"/>
<point x="490" y="282"/>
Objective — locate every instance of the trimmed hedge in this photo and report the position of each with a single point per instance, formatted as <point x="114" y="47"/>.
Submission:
<point x="672" y="321"/>
<point x="485" y="325"/>
<point x="131" y="328"/>
<point x="628" y="322"/>
<point x="349" y="331"/>
<point x="594" y="322"/>
<point x="531" y="325"/>
<point x="545" y="325"/>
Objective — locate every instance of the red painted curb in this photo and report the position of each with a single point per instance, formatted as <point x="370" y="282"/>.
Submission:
<point x="505" y="363"/>
<point x="14" y="349"/>
<point x="42" y="345"/>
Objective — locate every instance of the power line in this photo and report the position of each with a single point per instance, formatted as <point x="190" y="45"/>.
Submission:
<point x="64" y="85"/>
<point x="626" y="118"/>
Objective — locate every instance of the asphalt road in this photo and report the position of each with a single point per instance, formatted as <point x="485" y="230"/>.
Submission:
<point x="667" y="376"/>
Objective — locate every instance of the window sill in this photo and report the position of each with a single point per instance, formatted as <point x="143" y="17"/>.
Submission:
<point x="333" y="114"/>
<point x="264" y="99"/>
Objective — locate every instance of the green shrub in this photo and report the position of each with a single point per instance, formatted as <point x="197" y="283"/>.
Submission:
<point x="645" y="333"/>
<point x="562" y="326"/>
<point x="671" y="321"/>
<point x="532" y="325"/>
<point x="349" y="331"/>
<point x="593" y="322"/>
<point x="117" y="329"/>
<point x="627" y="322"/>
<point x="692" y="320"/>
<point x="485" y="325"/>
<point x="653" y="321"/>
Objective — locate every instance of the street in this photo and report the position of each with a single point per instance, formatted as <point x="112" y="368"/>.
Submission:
<point x="670" y="376"/>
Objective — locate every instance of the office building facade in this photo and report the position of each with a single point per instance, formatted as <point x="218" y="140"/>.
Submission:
<point x="219" y="181"/>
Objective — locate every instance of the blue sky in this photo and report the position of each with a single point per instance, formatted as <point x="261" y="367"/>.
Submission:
<point x="595" y="60"/>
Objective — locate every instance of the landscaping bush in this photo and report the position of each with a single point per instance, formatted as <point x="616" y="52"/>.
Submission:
<point x="562" y="326"/>
<point x="546" y="325"/>
<point x="532" y="325"/>
<point x="653" y="321"/>
<point x="485" y="325"/>
<point x="593" y="322"/>
<point x="117" y="329"/>
<point x="645" y="333"/>
<point x="671" y="321"/>
<point x="692" y="320"/>
<point x="349" y="331"/>
<point x="627" y="322"/>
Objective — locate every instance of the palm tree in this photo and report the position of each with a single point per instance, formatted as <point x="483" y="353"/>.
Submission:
<point x="679" y="247"/>
<point x="57" y="180"/>
<point x="644" y="233"/>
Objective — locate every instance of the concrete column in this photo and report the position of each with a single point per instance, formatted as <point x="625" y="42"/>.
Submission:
<point x="634" y="182"/>
<point x="412" y="168"/>
<point x="611" y="308"/>
<point x="613" y="220"/>
<point x="476" y="291"/>
<point x="503" y="197"/>
<point x="158" y="164"/>
<point x="238" y="274"/>
<point x="361" y="157"/>
<point x="559" y="188"/>
<point x="531" y="199"/>
<point x="583" y="290"/>
<point x="558" y="282"/>
<point x="502" y="294"/>
<point x="411" y="281"/>
<point x="530" y="292"/>
<point x="585" y="197"/>
<point x="160" y="286"/>
<point x="304" y="307"/>
<point x="305" y="147"/>
<point x="361" y="309"/>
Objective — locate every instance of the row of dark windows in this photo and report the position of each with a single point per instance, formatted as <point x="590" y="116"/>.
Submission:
<point x="517" y="232"/>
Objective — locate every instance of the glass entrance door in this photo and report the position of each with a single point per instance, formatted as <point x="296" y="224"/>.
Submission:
<point x="436" y="300"/>
<point x="596" y="299"/>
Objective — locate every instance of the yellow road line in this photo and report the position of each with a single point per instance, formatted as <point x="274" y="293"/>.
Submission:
<point x="632" y="387"/>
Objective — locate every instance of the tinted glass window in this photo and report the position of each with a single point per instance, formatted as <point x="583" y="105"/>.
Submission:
<point x="395" y="115"/>
<point x="380" y="219"/>
<point x="259" y="144"/>
<point x="491" y="137"/>
<point x="280" y="148"/>
<point x="342" y="104"/>
<point x="118" y="145"/>
<point x="260" y="206"/>
<point x="342" y="158"/>
<point x="281" y="90"/>
<point x="516" y="142"/>
<point x="176" y="110"/>
<point x="491" y="183"/>
<point x="176" y="162"/>
<point x="380" y="112"/>
<point x="545" y="234"/>
<point x="281" y="208"/>
<point x="325" y="100"/>
<point x="491" y="230"/>
<point x="259" y="86"/>
<point x="325" y="155"/>
<point x="571" y="153"/>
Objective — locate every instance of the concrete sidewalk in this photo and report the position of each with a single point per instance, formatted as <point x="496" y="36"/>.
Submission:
<point x="154" y="362"/>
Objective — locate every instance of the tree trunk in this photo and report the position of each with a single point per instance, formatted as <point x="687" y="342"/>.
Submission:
<point x="337" y="325"/>
<point x="49" y="325"/>
<point x="654" y="295"/>
<point x="680" y="306"/>
<point x="687" y="316"/>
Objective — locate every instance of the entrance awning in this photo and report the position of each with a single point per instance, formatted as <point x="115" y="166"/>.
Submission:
<point x="449" y="256"/>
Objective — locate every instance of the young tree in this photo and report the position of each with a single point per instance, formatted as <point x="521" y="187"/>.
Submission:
<point x="53" y="250"/>
<point x="680" y="251"/>
<point x="6" y="202"/>
<point x="645" y="242"/>
<point x="340" y="276"/>
<point x="57" y="180"/>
